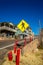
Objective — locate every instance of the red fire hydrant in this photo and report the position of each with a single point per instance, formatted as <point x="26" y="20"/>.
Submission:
<point x="10" y="57"/>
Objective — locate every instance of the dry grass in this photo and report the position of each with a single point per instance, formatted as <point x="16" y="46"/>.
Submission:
<point x="28" y="59"/>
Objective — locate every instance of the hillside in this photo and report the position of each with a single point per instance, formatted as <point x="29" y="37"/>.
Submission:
<point x="30" y="55"/>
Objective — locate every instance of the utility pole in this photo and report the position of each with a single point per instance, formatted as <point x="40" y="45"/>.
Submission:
<point x="0" y="26"/>
<point x="39" y="26"/>
<point x="39" y="29"/>
<point x="40" y="39"/>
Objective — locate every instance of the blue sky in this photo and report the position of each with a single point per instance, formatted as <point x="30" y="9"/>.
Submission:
<point x="16" y="10"/>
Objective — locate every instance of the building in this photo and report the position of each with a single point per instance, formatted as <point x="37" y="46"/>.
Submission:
<point x="27" y="33"/>
<point x="7" y="29"/>
<point x="29" y="30"/>
<point x="10" y="30"/>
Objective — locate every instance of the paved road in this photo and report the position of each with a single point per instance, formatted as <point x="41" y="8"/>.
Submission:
<point x="5" y="43"/>
<point x="8" y="43"/>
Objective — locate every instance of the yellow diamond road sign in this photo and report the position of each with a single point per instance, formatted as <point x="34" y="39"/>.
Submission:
<point x="23" y="25"/>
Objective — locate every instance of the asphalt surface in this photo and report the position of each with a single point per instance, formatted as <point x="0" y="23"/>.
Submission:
<point x="3" y="51"/>
<point x="4" y="43"/>
<point x="8" y="43"/>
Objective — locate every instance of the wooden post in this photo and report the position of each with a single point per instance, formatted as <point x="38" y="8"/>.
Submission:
<point x="18" y="56"/>
<point x="24" y="41"/>
<point x="16" y="42"/>
<point x="30" y="39"/>
<point x="15" y="48"/>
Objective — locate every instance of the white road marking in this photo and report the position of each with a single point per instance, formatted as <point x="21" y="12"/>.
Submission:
<point x="11" y="45"/>
<point x="7" y="46"/>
